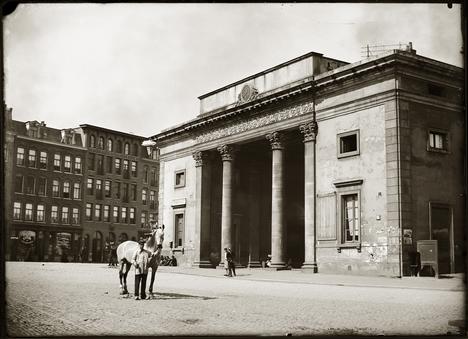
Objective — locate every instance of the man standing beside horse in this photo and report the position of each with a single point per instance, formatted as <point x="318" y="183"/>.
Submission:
<point x="141" y="260"/>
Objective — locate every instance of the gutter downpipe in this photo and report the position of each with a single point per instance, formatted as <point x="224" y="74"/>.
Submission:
<point x="400" y="221"/>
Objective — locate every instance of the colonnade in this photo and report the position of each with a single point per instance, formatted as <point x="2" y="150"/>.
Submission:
<point x="278" y="227"/>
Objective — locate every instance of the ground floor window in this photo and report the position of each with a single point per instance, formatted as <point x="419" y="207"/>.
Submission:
<point x="179" y="224"/>
<point x="350" y="218"/>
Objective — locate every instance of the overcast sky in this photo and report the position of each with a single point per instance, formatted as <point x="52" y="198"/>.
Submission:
<point x="140" y="68"/>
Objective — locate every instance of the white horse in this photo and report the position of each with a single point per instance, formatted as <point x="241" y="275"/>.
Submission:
<point x="127" y="249"/>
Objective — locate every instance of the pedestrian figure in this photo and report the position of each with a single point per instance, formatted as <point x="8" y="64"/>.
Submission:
<point x="140" y="261"/>
<point x="231" y="264"/>
<point x="113" y="254"/>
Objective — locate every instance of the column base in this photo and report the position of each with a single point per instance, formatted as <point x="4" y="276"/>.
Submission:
<point x="278" y="264"/>
<point x="254" y="264"/>
<point x="310" y="267"/>
<point x="203" y="264"/>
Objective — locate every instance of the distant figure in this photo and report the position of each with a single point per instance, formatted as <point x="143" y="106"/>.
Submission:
<point x="226" y="264"/>
<point x="231" y="264"/>
<point x="83" y="253"/>
<point x="140" y="261"/>
<point x="113" y="254"/>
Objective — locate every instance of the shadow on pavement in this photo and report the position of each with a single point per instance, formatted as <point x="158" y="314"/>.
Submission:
<point x="167" y="296"/>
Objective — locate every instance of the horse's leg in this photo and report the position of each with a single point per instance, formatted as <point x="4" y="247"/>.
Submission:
<point x="127" y="269"/>
<point x="121" y="275"/>
<point x="153" y="274"/>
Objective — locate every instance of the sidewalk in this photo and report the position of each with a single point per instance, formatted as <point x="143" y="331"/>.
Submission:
<point x="454" y="282"/>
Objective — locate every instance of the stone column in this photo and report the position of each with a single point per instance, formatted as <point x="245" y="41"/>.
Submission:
<point x="310" y="256"/>
<point x="278" y="229"/>
<point x="254" y="216"/>
<point x="202" y="210"/>
<point x="227" y="156"/>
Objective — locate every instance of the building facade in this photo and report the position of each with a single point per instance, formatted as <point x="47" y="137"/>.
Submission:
<point x="323" y="165"/>
<point x="70" y="193"/>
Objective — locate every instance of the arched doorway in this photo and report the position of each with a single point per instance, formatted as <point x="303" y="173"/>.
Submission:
<point x="97" y="247"/>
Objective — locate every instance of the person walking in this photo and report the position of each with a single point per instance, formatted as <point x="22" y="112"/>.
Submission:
<point x="231" y="264"/>
<point x="140" y="261"/>
<point x="113" y="254"/>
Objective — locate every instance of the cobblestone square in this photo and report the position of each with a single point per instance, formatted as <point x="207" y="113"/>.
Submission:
<point x="58" y="299"/>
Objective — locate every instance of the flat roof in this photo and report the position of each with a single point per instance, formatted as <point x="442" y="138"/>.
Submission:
<point x="111" y="131"/>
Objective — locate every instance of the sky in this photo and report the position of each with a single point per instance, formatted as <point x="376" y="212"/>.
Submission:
<point x="140" y="68"/>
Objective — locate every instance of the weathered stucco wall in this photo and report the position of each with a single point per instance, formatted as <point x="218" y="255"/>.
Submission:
<point x="370" y="166"/>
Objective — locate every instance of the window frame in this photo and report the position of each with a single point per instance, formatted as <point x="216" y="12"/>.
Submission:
<point x="177" y="212"/>
<point x="356" y="152"/>
<point x="176" y="173"/>
<point x="445" y="137"/>
<point x="20" y="156"/>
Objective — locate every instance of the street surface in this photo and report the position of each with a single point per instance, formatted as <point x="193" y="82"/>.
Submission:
<point x="64" y="299"/>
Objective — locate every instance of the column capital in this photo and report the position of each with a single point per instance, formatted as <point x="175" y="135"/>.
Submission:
<point x="201" y="158"/>
<point x="310" y="131"/>
<point x="227" y="152"/>
<point x="276" y="140"/>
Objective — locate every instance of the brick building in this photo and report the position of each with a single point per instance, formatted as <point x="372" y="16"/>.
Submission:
<point x="74" y="188"/>
<point x="325" y="165"/>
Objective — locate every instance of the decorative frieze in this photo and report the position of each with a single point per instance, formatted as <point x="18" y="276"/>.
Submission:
<point x="227" y="152"/>
<point x="276" y="140"/>
<point x="309" y="130"/>
<point x="200" y="157"/>
<point x="256" y="122"/>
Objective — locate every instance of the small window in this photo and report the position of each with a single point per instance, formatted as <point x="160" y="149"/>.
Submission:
<point x="55" y="188"/>
<point x="110" y="147"/>
<point x="115" y="214"/>
<point x="348" y="144"/>
<point x="127" y="148"/>
<point x="132" y="215"/>
<point x="88" y="211"/>
<point x="29" y="187"/>
<point x="67" y="164"/>
<point x="97" y="212"/>
<point x="32" y="158"/>
<point x="54" y="214"/>
<point x="90" y="186"/>
<point x="106" y="213"/>
<point x="28" y="212"/>
<point x="76" y="191"/>
<point x="101" y="143"/>
<point x="77" y="165"/>
<point x="66" y="190"/>
<point x="179" y="229"/>
<point x="91" y="161"/>
<point x="107" y="188"/>
<point x="76" y="216"/>
<point x="65" y="215"/>
<point x="43" y="160"/>
<point x="92" y="141"/>
<point x="40" y="213"/>
<point x="17" y="211"/>
<point x="123" y="214"/>
<point x="180" y="178"/>
<point x="438" y="141"/>
<point x="20" y="156"/>
<point x="19" y="183"/>
<point x="41" y="186"/>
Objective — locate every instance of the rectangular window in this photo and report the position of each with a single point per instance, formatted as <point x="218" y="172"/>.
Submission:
<point x="55" y="188"/>
<point x="65" y="215"/>
<point x="97" y="212"/>
<point x="32" y="158"/>
<point x="28" y="212"/>
<point x="17" y="211"/>
<point x="40" y="213"/>
<point x="134" y="168"/>
<point x="350" y="218"/>
<point x="153" y="177"/>
<point x="144" y="194"/>
<point x="76" y="191"/>
<point x="117" y="190"/>
<point x="106" y="213"/>
<point x="115" y="214"/>
<point x="29" y="187"/>
<point x="88" y="211"/>
<point x="57" y="162"/>
<point x="98" y="188"/>
<point x="107" y="188"/>
<point x="91" y="161"/>
<point x="19" y="183"/>
<point x="143" y="219"/>
<point x="152" y="199"/>
<point x="118" y="168"/>
<point x="67" y="164"/>
<point x="43" y="160"/>
<point x="126" y="173"/>
<point x="90" y="186"/>
<point x="125" y="193"/>
<point x="179" y="178"/>
<point x="123" y="214"/>
<point x="348" y="144"/>
<point x="41" y="186"/>
<point x="179" y="230"/>
<point x="20" y="156"/>
<point x="134" y="192"/>
<point x="76" y="216"/>
<point x="78" y="165"/>
<point x="100" y="164"/>
<point x="132" y="215"/>
<point x="438" y="141"/>
<point x="109" y="163"/>
<point x="54" y="214"/>
<point x="66" y="190"/>
<point x="152" y="217"/>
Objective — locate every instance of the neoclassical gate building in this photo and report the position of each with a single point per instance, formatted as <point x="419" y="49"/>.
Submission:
<point x="321" y="164"/>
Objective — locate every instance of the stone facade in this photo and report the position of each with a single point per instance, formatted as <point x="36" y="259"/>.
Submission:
<point x="332" y="169"/>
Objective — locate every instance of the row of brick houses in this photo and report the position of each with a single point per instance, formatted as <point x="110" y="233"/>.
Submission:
<point x="71" y="192"/>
